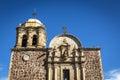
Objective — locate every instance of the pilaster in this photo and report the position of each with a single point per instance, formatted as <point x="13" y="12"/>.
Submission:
<point x="29" y="41"/>
<point x="83" y="71"/>
<point x="55" y="72"/>
<point x="50" y="72"/>
<point x="77" y="72"/>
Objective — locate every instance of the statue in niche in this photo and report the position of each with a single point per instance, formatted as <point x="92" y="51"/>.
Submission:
<point x="64" y="49"/>
<point x="52" y="52"/>
<point x="65" y="53"/>
<point x="73" y="52"/>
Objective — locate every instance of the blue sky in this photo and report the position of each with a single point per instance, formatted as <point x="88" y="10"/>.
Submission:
<point x="94" y="22"/>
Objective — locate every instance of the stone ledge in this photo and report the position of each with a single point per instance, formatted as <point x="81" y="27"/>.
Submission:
<point x="29" y="49"/>
<point x="95" y="48"/>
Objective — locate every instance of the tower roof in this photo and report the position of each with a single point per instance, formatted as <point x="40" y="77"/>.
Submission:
<point x="32" y="22"/>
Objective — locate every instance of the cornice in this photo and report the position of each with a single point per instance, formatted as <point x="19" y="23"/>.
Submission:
<point x="94" y="48"/>
<point x="29" y="49"/>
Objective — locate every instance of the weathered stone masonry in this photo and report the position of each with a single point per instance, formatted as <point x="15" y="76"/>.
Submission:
<point x="33" y="69"/>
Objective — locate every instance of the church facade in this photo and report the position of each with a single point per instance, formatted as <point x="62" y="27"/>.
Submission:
<point x="64" y="59"/>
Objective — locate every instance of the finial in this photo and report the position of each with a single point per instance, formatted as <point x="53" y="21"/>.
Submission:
<point x="64" y="30"/>
<point x="34" y="14"/>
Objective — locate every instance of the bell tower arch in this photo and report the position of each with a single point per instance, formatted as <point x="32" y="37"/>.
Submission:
<point x="31" y="34"/>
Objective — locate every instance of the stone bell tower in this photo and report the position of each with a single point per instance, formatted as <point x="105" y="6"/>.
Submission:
<point x="31" y="34"/>
<point x="29" y="53"/>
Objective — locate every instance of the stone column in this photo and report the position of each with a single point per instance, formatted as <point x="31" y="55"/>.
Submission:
<point x="40" y="38"/>
<point x="82" y="66"/>
<point x="83" y="71"/>
<point x="77" y="72"/>
<point x="38" y="43"/>
<point x="55" y="72"/>
<point x="29" y="42"/>
<point x="19" y="40"/>
<point x="50" y="72"/>
<point x="58" y="73"/>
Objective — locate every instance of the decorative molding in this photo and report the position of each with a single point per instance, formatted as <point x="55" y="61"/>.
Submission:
<point x="29" y="49"/>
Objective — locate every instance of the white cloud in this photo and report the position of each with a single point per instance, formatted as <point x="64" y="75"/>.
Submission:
<point x="113" y="75"/>
<point x="4" y="78"/>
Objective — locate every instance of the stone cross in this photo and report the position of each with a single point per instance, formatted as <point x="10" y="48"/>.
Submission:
<point x="34" y="14"/>
<point x="64" y="30"/>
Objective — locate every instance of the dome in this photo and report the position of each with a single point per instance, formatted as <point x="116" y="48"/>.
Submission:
<point x="65" y="39"/>
<point x="34" y="20"/>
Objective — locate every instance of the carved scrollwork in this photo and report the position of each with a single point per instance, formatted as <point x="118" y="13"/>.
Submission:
<point x="64" y="52"/>
<point x="52" y="52"/>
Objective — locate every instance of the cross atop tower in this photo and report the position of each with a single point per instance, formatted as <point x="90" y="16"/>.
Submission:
<point x="34" y="14"/>
<point x="64" y="30"/>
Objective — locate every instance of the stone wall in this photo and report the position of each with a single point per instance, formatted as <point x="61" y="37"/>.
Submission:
<point x="32" y="69"/>
<point x="36" y="67"/>
<point x="93" y="66"/>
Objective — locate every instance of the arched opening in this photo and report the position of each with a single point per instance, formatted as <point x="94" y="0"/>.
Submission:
<point x="34" y="40"/>
<point x="24" y="41"/>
